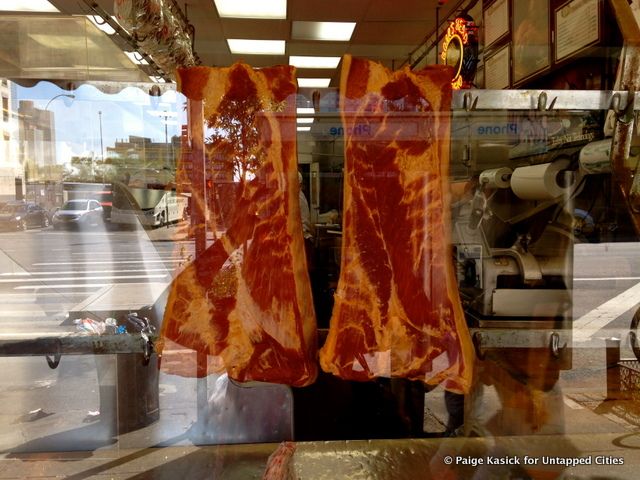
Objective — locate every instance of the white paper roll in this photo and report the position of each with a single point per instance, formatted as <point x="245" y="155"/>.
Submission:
<point x="496" y="177"/>
<point x="541" y="182"/>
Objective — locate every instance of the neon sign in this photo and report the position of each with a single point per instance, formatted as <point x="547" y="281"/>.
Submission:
<point x="460" y="50"/>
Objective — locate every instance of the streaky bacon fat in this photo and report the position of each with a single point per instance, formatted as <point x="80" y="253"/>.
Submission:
<point x="247" y="300"/>
<point x="397" y="311"/>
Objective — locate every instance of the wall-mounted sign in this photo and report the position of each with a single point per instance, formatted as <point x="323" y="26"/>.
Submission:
<point x="497" y="69"/>
<point x="530" y="38"/>
<point x="460" y="50"/>
<point x="577" y="27"/>
<point x="496" y="21"/>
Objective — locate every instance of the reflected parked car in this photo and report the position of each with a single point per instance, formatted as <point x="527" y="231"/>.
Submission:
<point x="23" y="215"/>
<point x="78" y="214"/>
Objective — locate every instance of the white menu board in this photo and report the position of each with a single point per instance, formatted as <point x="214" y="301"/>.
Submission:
<point x="496" y="21"/>
<point x="577" y="26"/>
<point x="496" y="70"/>
<point x="530" y="38"/>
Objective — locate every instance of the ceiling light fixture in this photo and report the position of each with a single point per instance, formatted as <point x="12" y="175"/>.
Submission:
<point x="314" y="82"/>
<point x="303" y="129"/>
<point x="28" y="6"/>
<point x="256" y="47"/>
<point x="305" y="111"/>
<point x="325" y="31"/>
<point x="271" y="9"/>
<point x="314" y="62"/>
<point x="304" y="120"/>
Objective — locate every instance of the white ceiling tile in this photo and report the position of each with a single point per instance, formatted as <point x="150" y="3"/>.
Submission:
<point x="386" y="30"/>
<point x="332" y="49"/>
<point x="255" y="29"/>
<point x="390" y="33"/>
<point x="339" y="11"/>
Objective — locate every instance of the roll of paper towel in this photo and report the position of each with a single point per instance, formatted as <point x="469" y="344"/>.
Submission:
<point x="545" y="181"/>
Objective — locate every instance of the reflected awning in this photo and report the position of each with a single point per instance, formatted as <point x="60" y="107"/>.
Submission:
<point x="61" y="48"/>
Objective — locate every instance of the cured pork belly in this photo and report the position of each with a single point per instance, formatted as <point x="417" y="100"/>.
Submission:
<point x="397" y="311"/>
<point x="247" y="299"/>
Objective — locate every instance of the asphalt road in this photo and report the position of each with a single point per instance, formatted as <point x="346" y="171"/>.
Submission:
<point x="45" y="274"/>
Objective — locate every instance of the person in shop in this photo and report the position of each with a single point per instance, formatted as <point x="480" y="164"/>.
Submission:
<point x="307" y="227"/>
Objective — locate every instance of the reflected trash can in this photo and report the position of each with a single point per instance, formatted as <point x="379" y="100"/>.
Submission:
<point x="138" y="391"/>
<point x="129" y="388"/>
<point x="129" y="391"/>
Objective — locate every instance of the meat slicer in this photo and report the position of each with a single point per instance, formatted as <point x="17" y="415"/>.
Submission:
<point x="512" y="225"/>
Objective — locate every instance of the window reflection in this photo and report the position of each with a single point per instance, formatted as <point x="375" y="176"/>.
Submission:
<point x="76" y="270"/>
<point x="115" y="155"/>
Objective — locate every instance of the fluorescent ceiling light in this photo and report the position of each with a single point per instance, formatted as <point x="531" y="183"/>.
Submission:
<point x="314" y="82"/>
<point x="27" y="6"/>
<point x="136" y="58"/>
<point x="305" y="111"/>
<point x="101" y="24"/>
<point x="314" y="62"/>
<point x="305" y="120"/>
<point x="252" y="8"/>
<point x="256" y="47"/>
<point x="303" y="129"/>
<point x="329" y="31"/>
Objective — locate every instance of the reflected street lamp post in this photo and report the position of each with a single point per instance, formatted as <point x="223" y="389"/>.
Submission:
<point x="166" y="117"/>
<point x="101" y="144"/>
<point x="169" y="153"/>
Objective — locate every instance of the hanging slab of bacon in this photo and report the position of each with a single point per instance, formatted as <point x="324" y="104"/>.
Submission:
<point x="247" y="299"/>
<point x="397" y="311"/>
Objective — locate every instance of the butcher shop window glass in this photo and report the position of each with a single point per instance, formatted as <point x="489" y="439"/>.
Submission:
<point x="261" y="275"/>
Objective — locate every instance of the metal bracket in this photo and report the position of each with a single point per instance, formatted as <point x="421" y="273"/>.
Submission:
<point x="542" y="102"/>
<point x="623" y="114"/>
<point x="469" y="102"/>
<point x="554" y="344"/>
<point x="485" y="339"/>
<point x="54" y="361"/>
<point x="147" y="348"/>
<point x="615" y="103"/>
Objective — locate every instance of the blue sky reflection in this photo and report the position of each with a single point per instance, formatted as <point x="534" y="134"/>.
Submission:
<point x="131" y="111"/>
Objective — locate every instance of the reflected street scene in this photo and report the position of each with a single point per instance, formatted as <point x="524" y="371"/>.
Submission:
<point x="370" y="240"/>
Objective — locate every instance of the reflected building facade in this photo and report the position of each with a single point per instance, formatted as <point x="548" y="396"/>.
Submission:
<point x="11" y="169"/>
<point x="37" y="139"/>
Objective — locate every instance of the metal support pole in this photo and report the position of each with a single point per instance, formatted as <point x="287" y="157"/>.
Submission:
<point x="198" y="223"/>
<point x="628" y="79"/>
<point x="613" y="368"/>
